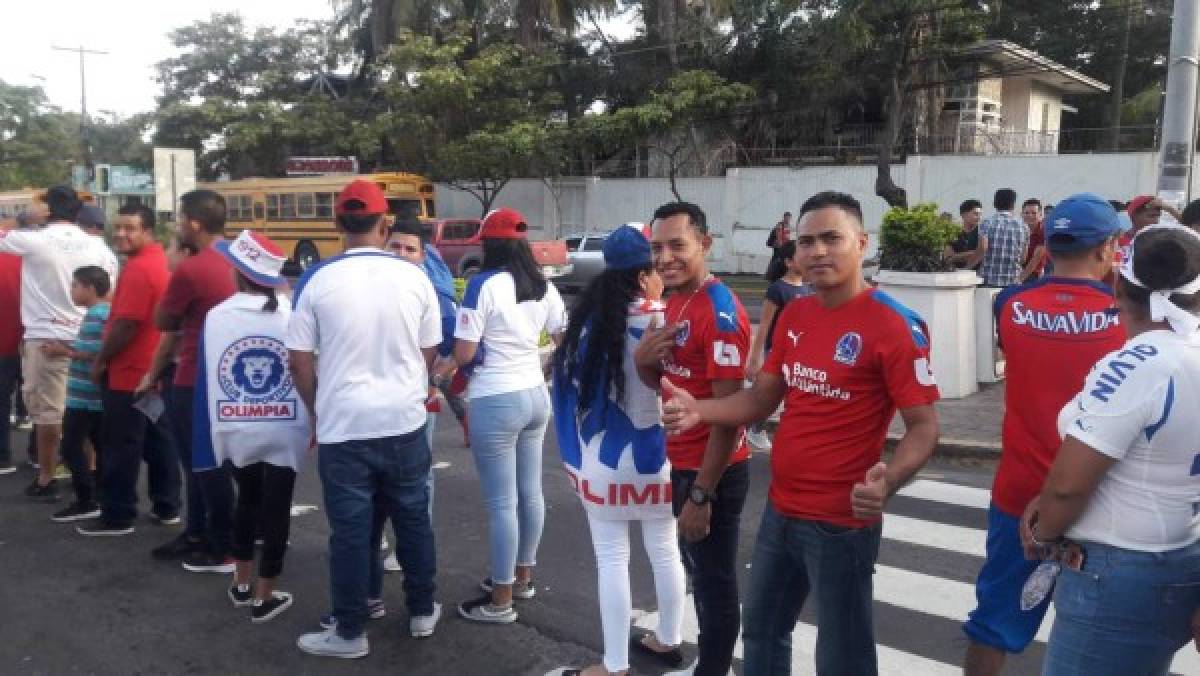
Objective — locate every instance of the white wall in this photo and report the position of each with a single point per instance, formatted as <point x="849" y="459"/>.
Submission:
<point x="744" y="204"/>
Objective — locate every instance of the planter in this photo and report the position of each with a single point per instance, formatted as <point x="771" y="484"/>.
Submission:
<point x="946" y="301"/>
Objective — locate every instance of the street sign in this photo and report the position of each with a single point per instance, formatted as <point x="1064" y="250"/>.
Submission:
<point x="174" y="174"/>
<point x="321" y="166"/>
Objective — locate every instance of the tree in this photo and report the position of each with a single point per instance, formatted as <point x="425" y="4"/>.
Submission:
<point x="37" y="142"/>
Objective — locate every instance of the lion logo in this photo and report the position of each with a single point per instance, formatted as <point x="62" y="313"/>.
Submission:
<point x="257" y="371"/>
<point x="254" y="370"/>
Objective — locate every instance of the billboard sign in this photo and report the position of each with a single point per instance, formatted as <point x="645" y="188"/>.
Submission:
<point x="320" y="166"/>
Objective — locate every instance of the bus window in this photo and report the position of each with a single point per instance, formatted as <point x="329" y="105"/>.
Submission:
<point x="272" y="207"/>
<point x="259" y="211"/>
<point x="325" y="205"/>
<point x="287" y="206"/>
<point x="430" y="211"/>
<point x="404" y="209"/>
<point x="304" y="205"/>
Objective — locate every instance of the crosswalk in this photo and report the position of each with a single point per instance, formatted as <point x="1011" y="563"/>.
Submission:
<point x="924" y="584"/>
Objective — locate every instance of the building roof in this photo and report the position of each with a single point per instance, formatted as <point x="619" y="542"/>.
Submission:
<point x="1010" y="59"/>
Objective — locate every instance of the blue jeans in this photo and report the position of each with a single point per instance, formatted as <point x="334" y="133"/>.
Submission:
<point x="1125" y="612"/>
<point x="354" y="476"/>
<point x="506" y="437"/>
<point x="793" y="557"/>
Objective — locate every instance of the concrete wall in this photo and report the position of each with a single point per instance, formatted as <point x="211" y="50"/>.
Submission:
<point x="743" y="205"/>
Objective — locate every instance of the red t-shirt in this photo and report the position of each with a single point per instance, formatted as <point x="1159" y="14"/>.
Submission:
<point x="847" y="370"/>
<point x="198" y="284"/>
<point x="1037" y="237"/>
<point x="712" y="345"/>
<point x="10" y="305"/>
<point x="1053" y="331"/>
<point x="141" y="285"/>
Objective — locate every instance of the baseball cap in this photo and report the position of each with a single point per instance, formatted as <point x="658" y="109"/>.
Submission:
<point x="1080" y="221"/>
<point x="256" y="258"/>
<point x="1138" y="203"/>
<point x="90" y="216"/>
<point x="626" y="248"/>
<point x="361" y="198"/>
<point x="503" y="223"/>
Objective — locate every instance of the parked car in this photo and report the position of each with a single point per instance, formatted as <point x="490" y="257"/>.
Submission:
<point x="459" y="243"/>
<point x="586" y="255"/>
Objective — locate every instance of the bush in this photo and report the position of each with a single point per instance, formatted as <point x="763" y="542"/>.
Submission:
<point x="915" y="240"/>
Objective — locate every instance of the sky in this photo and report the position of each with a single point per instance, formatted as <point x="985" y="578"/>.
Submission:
<point x="134" y="32"/>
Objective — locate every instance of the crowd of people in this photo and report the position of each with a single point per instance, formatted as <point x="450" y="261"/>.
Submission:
<point x="198" y="361"/>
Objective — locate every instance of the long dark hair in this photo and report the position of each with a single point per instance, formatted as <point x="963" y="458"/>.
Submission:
<point x="245" y="284"/>
<point x="515" y="256"/>
<point x="597" y="359"/>
<point x="778" y="267"/>
<point x="1163" y="259"/>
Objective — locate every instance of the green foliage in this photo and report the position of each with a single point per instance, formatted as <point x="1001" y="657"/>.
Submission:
<point x="915" y="240"/>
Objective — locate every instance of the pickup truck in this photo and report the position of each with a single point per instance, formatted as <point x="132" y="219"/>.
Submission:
<point x="459" y="243"/>
<point x="585" y="253"/>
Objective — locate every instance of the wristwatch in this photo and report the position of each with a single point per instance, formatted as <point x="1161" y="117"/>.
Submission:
<point x="700" y="496"/>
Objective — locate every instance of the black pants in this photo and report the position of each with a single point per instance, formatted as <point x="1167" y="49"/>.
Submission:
<point x="10" y="372"/>
<point x="264" y="509"/>
<point x="81" y="425"/>
<point x="712" y="566"/>
<point x="209" y="493"/>
<point x="128" y="438"/>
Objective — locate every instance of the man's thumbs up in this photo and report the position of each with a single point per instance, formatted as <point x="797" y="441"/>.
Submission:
<point x="867" y="498"/>
<point x="679" y="412"/>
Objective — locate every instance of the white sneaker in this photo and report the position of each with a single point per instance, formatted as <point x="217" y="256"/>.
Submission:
<point x="328" y="644"/>
<point x="759" y="439"/>
<point x="391" y="564"/>
<point x="421" y="626"/>
<point x="686" y="671"/>
<point x="7" y="469"/>
<point x="383" y="545"/>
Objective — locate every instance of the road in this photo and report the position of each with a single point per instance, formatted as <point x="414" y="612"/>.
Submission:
<point x="73" y="605"/>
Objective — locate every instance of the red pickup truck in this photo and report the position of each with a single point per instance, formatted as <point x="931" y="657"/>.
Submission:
<point x="459" y="243"/>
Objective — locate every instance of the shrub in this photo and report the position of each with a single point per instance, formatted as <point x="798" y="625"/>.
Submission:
<point x="915" y="240"/>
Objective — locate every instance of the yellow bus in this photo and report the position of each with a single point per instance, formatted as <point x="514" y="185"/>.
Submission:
<point x="14" y="202"/>
<point x="297" y="213"/>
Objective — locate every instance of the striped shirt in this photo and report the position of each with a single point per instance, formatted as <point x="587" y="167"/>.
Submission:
<point x="82" y="393"/>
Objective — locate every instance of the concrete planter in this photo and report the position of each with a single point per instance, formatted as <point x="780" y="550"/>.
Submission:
<point x="946" y="301"/>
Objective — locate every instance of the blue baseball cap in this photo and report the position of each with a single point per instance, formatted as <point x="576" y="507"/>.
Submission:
<point x="627" y="248"/>
<point x="1079" y="222"/>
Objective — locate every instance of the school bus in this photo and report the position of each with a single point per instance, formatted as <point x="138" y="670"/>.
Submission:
<point x="297" y="212"/>
<point x="14" y="202"/>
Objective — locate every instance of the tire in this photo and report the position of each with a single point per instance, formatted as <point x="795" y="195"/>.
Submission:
<point x="306" y="254"/>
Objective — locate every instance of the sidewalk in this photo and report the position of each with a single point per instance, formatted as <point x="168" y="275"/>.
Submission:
<point x="970" y="426"/>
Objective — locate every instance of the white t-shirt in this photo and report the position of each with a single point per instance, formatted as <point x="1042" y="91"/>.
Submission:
<point x="367" y="314"/>
<point x="50" y="257"/>
<point x="508" y="333"/>
<point x="1137" y="406"/>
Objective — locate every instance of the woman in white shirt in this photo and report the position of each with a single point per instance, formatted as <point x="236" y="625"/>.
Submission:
<point x="505" y="310"/>
<point x="1119" y="507"/>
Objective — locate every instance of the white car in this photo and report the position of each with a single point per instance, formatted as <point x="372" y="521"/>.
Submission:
<point x="585" y="254"/>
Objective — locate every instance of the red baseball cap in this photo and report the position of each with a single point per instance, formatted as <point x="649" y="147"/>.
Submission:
<point x="503" y="223"/>
<point x="361" y="198"/>
<point x="1137" y="204"/>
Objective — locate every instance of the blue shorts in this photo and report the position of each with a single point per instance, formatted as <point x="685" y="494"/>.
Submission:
<point x="998" y="620"/>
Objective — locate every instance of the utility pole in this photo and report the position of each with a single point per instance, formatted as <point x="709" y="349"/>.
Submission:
<point x="83" y="116"/>
<point x="1179" y="111"/>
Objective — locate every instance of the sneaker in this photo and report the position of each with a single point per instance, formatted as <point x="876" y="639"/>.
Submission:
<point x="376" y="610"/>
<point x="482" y="610"/>
<point x="7" y="469"/>
<point x="265" y="611"/>
<point x="672" y="658"/>
<point x="61" y="473"/>
<point x="759" y="439"/>
<point x="391" y="564"/>
<point x="172" y="520"/>
<point x="102" y="527"/>
<point x="78" y="511"/>
<point x="179" y="547"/>
<point x="207" y="562"/>
<point x="421" y="626"/>
<point x="241" y="596"/>
<point x="520" y="590"/>
<point x="24" y="423"/>
<point x="47" y="493"/>
<point x="328" y="644"/>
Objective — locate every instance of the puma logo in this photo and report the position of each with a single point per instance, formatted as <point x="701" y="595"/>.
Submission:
<point x="726" y="315"/>
<point x="794" y="336"/>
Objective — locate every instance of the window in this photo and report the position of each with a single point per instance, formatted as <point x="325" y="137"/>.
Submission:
<point x="305" y="205"/>
<point x="404" y="209"/>
<point x="325" y="205"/>
<point x="460" y="230"/>
<point x="239" y="207"/>
<point x="430" y="211"/>
<point x="287" y="207"/>
<point x="594" y="244"/>
<point x="573" y="243"/>
<point x="272" y="207"/>
<point x="258" y="211"/>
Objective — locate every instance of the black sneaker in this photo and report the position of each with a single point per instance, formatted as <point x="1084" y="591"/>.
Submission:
<point x="672" y="658"/>
<point x="166" y="520"/>
<point x="482" y="610"/>
<point x="104" y="528"/>
<point x="520" y="590"/>
<point x="207" y="562"/>
<point x="179" y="547"/>
<point x="265" y="611"/>
<point x="78" y="511"/>
<point x="241" y="598"/>
<point x="47" y="493"/>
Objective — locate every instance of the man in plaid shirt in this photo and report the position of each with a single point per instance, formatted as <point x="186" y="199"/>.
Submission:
<point x="1005" y="240"/>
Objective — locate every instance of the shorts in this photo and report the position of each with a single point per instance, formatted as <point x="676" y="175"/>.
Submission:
<point x="998" y="620"/>
<point x="45" y="386"/>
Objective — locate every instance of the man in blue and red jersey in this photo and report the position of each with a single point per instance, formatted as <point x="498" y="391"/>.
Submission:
<point x="1059" y="325"/>
<point x="843" y="361"/>
<point x="702" y="350"/>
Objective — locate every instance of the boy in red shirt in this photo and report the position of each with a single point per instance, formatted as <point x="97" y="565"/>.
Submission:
<point x="130" y="339"/>
<point x="702" y="350"/>
<point x="843" y="361"/>
<point x="1053" y="331"/>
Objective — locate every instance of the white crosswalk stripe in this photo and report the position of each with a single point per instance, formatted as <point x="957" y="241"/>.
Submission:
<point x="898" y="585"/>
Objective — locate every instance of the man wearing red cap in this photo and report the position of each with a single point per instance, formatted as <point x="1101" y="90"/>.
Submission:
<point x="376" y="322"/>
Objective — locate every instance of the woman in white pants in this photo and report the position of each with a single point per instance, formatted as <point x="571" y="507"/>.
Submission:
<point x="614" y="448"/>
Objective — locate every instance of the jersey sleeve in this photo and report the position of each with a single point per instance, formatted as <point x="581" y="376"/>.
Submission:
<point x="302" y="333"/>
<point x="726" y="339"/>
<point x="19" y="242"/>
<point x="472" y="314"/>
<point x="556" y="312"/>
<point x="1119" y="402"/>
<point x="906" y="366"/>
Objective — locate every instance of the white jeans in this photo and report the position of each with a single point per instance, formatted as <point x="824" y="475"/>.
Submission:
<point x="610" y="540"/>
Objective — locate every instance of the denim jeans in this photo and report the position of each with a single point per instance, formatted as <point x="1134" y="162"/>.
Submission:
<point x="507" y="443"/>
<point x="10" y="369"/>
<point x="128" y="438"/>
<point x="1125" y="612"/>
<point x="354" y="475"/>
<point x="712" y="566"/>
<point x="210" y="494"/>
<point x="793" y="557"/>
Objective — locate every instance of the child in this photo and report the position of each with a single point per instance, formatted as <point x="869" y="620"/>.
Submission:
<point x="81" y="421"/>
<point x="249" y="415"/>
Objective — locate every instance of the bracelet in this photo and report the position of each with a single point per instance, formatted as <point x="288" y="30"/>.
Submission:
<point x="1033" y="536"/>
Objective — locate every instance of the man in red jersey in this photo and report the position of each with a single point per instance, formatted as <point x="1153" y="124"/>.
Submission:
<point x="702" y="350"/>
<point x="1058" y="325"/>
<point x="10" y="357"/>
<point x="843" y="361"/>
